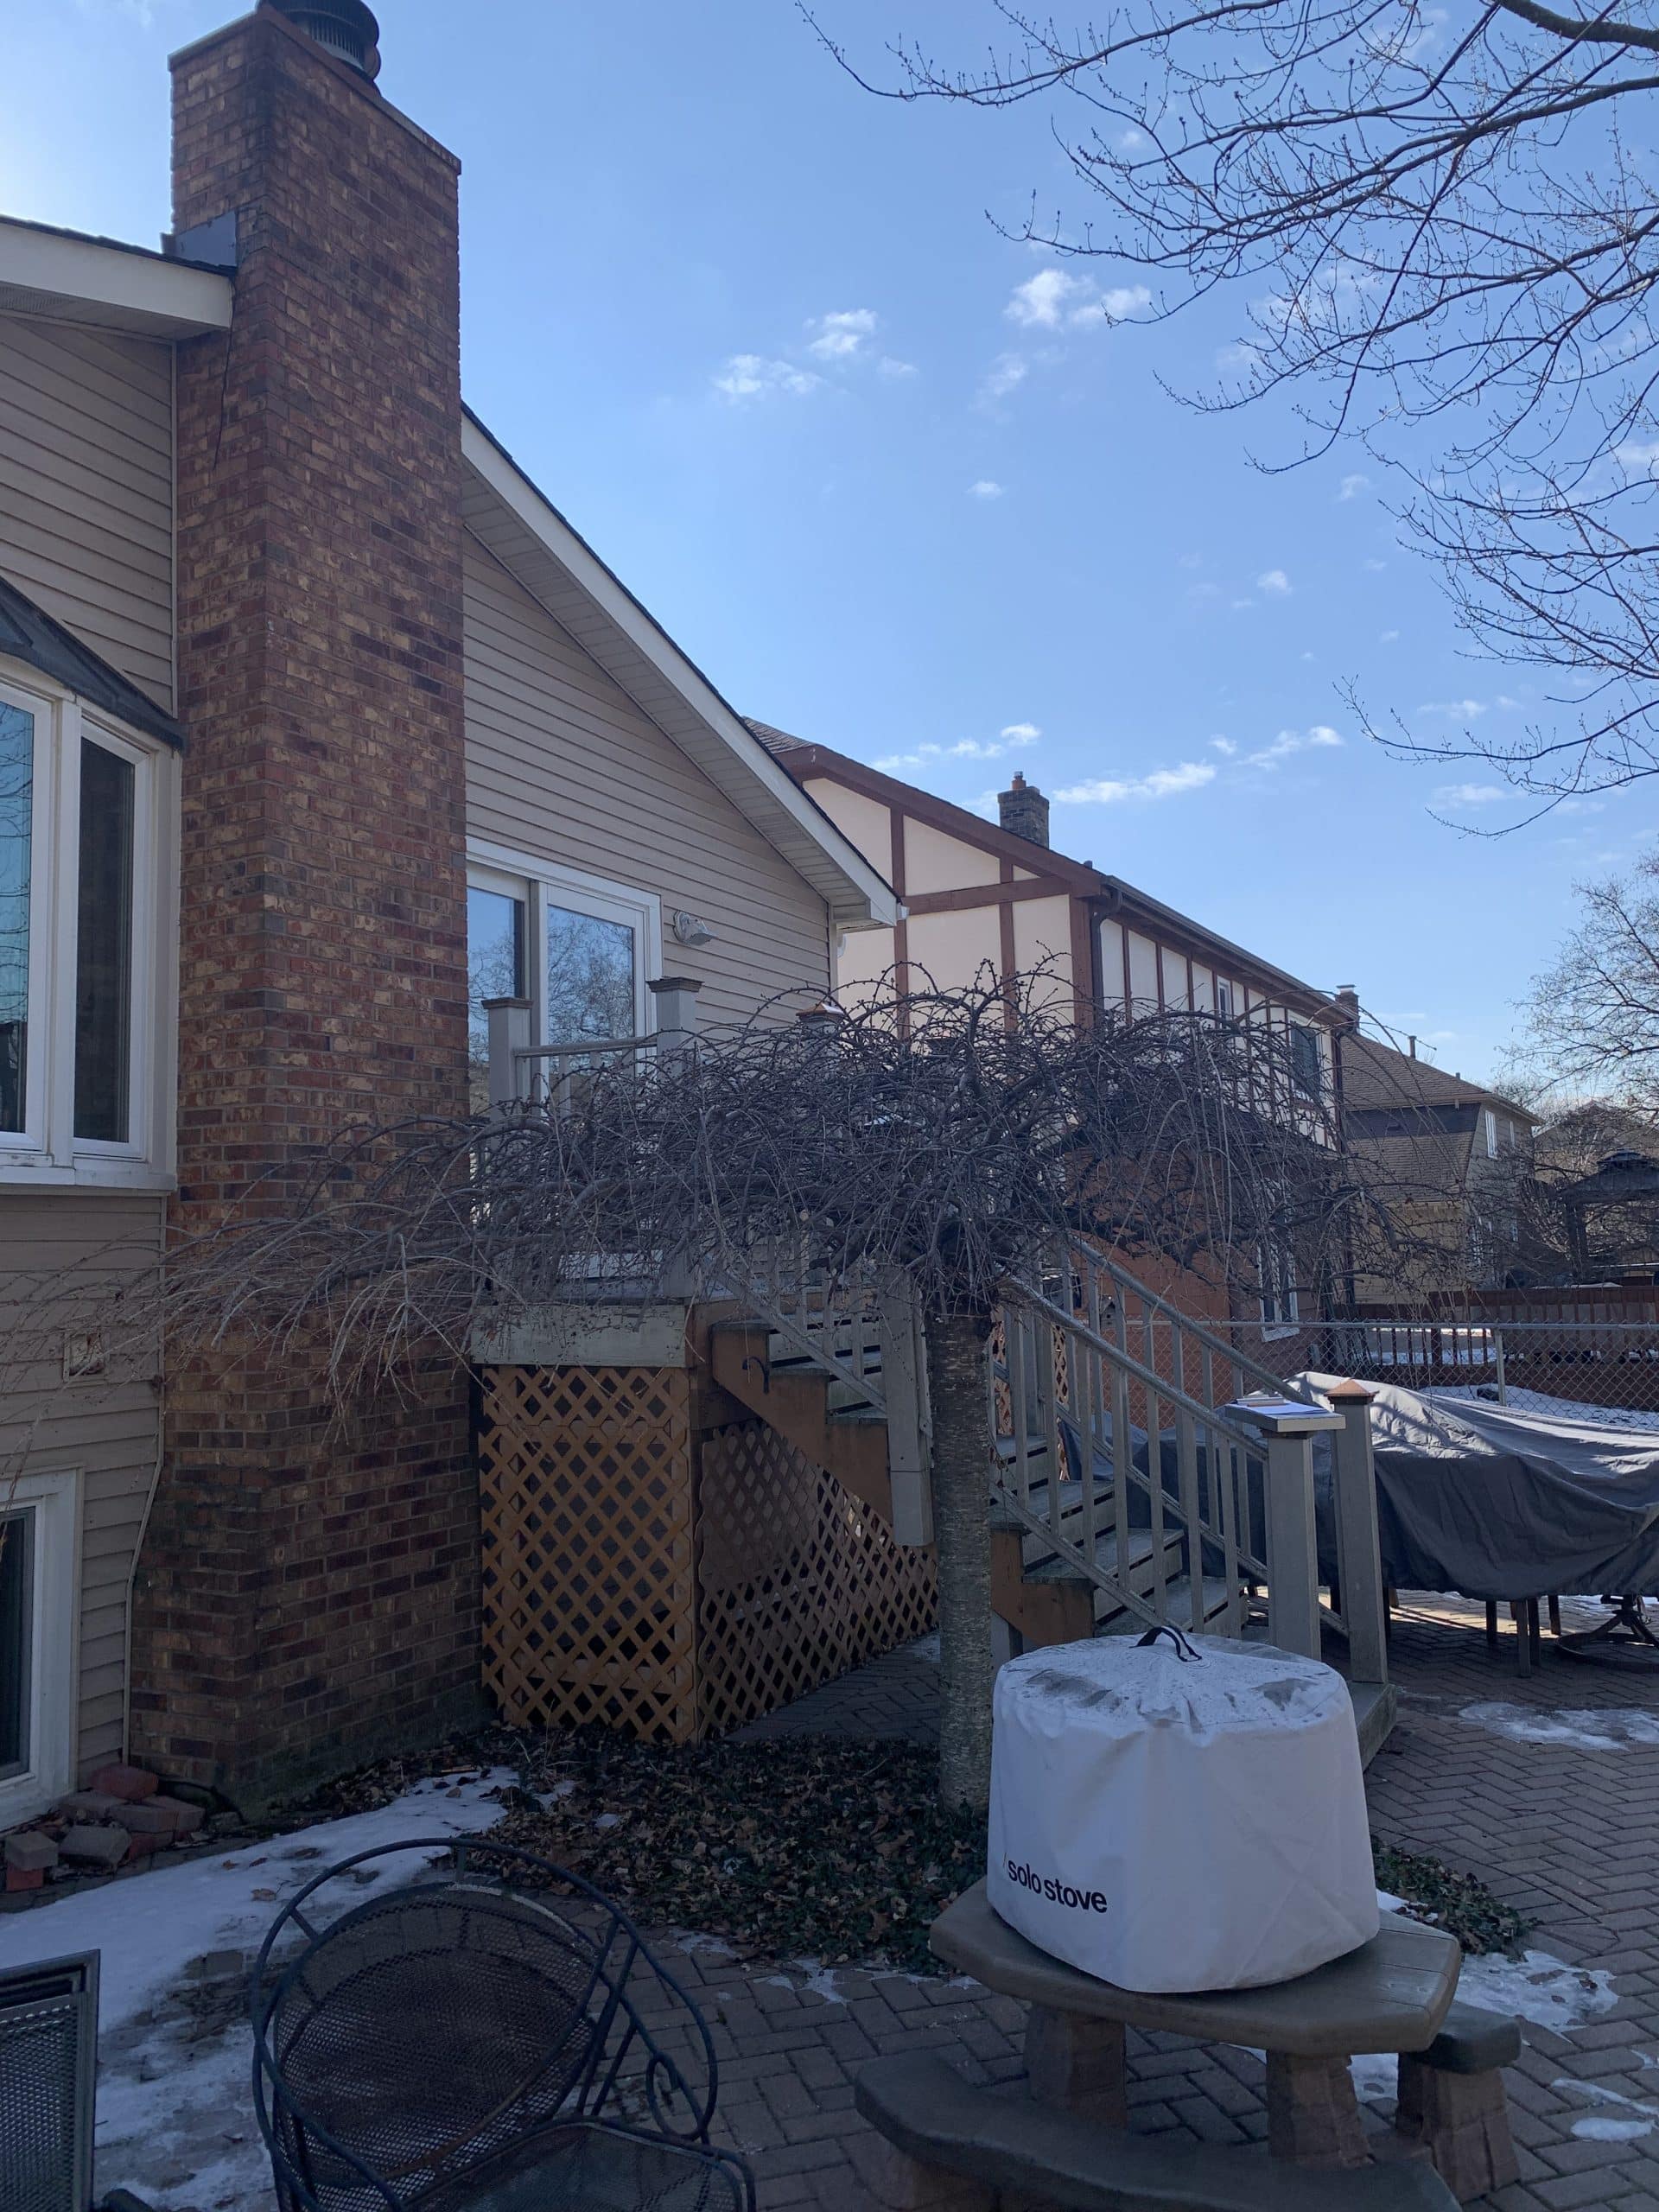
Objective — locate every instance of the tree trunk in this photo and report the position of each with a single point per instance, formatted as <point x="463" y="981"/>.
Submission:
<point x="961" y="1464"/>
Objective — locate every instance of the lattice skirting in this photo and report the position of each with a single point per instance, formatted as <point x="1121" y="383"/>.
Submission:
<point x="797" y="1580"/>
<point x="670" y="1584"/>
<point x="589" y="1592"/>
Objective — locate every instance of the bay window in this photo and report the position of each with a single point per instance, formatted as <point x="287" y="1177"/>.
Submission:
<point x="578" y="947"/>
<point x="87" y="868"/>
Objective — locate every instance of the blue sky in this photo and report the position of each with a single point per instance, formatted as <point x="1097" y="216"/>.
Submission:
<point x="905" y="486"/>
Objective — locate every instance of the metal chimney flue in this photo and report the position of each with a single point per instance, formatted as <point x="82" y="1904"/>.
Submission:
<point x="344" y="29"/>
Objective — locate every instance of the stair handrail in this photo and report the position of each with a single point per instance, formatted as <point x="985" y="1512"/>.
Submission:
<point x="1172" y="1394"/>
<point x="1242" y="1360"/>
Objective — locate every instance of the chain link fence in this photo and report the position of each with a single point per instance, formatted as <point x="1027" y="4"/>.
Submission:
<point x="1560" y="1366"/>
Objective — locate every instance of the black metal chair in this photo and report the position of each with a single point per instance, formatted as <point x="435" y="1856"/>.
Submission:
<point x="465" y="2042"/>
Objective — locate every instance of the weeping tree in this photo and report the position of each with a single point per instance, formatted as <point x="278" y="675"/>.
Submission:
<point x="948" y="1135"/>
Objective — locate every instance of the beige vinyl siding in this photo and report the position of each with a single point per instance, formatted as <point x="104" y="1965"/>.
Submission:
<point x="86" y="488"/>
<point x="107" y="1429"/>
<point x="563" y="766"/>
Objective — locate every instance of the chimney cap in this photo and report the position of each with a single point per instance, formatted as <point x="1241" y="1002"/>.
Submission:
<point x="346" y="28"/>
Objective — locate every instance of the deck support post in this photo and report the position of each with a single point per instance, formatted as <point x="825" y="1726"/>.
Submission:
<point x="509" y="1035"/>
<point x="1359" y="1552"/>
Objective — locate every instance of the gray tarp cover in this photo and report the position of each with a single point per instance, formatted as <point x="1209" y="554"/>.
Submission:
<point x="1496" y="1503"/>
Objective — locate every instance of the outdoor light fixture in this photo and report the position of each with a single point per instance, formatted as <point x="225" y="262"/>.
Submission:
<point x="692" y="929"/>
<point x="48" y="2071"/>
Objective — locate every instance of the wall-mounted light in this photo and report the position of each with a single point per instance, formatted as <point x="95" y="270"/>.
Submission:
<point x="692" y="929"/>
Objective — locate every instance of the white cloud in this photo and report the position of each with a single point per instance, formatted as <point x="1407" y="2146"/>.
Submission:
<point x="752" y="376"/>
<point x="841" y="334"/>
<point x="1319" y="737"/>
<point x="890" y="367"/>
<point x="1054" y="296"/>
<point x="1388" y="637"/>
<point x="965" y="748"/>
<point x="1469" y="794"/>
<point x="1039" y="302"/>
<point x="1224" y="745"/>
<point x="1376" y="567"/>
<point x="1160" y="783"/>
<point x="984" y="489"/>
<point x="1275" y="581"/>
<point x="1006" y="373"/>
<point x="1351" y="487"/>
<point x="1116" y="304"/>
<point x="1638" y="459"/>
<point x="1460" y="710"/>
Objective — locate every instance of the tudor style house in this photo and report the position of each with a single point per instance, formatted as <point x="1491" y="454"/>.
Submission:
<point x="979" y="894"/>
<point x="319" y="724"/>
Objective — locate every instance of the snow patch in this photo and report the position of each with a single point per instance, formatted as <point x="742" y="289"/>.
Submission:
<point x="176" y="2120"/>
<point x="1538" y="1987"/>
<point x="1605" y="2127"/>
<point x="1580" y="1728"/>
<point x="1376" y="2077"/>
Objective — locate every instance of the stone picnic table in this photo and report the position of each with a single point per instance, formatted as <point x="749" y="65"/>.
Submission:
<point x="1394" y="1993"/>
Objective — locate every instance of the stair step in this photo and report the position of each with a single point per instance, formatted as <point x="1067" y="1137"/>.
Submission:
<point x="1057" y="1568"/>
<point x="1114" y="1620"/>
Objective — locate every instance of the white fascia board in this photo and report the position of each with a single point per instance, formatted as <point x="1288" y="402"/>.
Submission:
<point x="860" y="897"/>
<point x="138" y="291"/>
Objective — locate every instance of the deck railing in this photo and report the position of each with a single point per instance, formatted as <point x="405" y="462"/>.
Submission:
<point x="1136" y="1446"/>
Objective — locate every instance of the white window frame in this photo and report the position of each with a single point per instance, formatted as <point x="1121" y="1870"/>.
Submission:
<point x="52" y="1498"/>
<point x="543" y="883"/>
<point x="1280" y="1301"/>
<point x="1225" y="998"/>
<point x="47" y="1151"/>
<point x="1488" y="1130"/>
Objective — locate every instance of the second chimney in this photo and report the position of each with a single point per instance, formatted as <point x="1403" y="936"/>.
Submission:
<point x="1024" y="810"/>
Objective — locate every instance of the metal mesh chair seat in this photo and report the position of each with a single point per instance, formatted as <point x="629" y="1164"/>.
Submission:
<point x="460" y="2045"/>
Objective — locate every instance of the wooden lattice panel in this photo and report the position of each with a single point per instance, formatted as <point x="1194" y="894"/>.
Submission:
<point x="589" y="1609"/>
<point x="798" y="1580"/>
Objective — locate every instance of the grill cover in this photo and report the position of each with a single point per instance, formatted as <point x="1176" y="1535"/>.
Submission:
<point x="1174" y="1822"/>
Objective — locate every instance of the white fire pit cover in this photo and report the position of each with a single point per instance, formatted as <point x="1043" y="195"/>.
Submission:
<point x="1180" y="1814"/>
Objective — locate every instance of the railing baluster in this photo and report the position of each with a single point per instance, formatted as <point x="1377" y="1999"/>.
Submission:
<point x="1154" y="1460"/>
<point x="1186" y="1467"/>
<point x="1122" y="1450"/>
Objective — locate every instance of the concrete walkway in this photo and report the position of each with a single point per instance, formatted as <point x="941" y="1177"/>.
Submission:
<point x="1547" y="1789"/>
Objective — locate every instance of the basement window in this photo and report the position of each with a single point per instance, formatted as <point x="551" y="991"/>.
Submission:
<point x="39" y="1625"/>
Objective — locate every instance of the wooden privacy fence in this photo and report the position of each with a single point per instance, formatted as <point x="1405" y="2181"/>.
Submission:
<point x="652" y="1564"/>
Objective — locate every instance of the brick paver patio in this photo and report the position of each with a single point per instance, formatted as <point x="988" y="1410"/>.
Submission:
<point x="1568" y="1834"/>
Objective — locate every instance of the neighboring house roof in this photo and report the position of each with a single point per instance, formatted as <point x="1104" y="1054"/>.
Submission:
<point x="1110" y="893"/>
<point x="75" y="277"/>
<point x="1376" y="1078"/>
<point x="28" y="633"/>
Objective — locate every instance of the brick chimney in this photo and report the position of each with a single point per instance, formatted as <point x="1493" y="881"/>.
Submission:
<point x="303" y="1596"/>
<point x="1348" y="999"/>
<point x="1024" y="810"/>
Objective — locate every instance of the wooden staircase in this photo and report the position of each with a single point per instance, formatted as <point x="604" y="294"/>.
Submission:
<point x="1127" y="1490"/>
<point x="827" y="1418"/>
